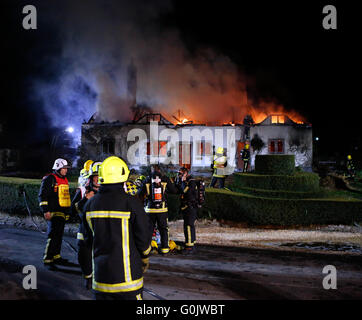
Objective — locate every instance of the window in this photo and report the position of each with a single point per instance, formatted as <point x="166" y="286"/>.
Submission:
<point x="108" y="146"/>
<point x="276" y="146"/>
<point x="162" y="148"/>
<point x="277" y="119"/>
<point x="185" y="155"/>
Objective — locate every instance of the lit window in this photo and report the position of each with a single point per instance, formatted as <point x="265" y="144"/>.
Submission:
<point x="276" y="146"/>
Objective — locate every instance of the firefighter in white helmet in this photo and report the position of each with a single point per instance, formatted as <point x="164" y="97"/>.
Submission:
<point x="54" y="201"/>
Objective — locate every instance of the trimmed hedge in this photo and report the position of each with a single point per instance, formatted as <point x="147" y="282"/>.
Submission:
<point x="300" y="181"/>
<point x="275" y="164"/>
<point x="220" y="204"/>
<point x="239" y="207"/>
<point x="12" y="198"/>
<point x="277" y="193"/>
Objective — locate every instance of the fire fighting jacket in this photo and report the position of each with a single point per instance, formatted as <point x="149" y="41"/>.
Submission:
<point x="78" y="203"/>
<point x="157" y="203"/>
<point x="120" y="232"/>
<point x="220" y="163"/>
<point x="54" y="196"/>
<point x="245" y="155"/>
<point x="188" y="191"/>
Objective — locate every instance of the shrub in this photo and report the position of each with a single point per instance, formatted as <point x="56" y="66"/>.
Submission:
<point x="12" y="198"/>
<point x="239" y="207"/>
<point x="220" y="204"/>
<point x="301" y="181"/>
<point x="275" y="164"/>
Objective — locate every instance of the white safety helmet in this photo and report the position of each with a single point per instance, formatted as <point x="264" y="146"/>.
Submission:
<point x="61" y="164"/>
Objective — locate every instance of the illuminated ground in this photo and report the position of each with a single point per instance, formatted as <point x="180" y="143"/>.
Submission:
<point x="215" y="272"/>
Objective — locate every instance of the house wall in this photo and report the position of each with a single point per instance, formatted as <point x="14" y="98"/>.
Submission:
<point x="297" y="139"/>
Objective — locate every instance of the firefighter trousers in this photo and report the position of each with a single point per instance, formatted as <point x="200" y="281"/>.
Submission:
<point x="85" y="258"/>
<point x="161" y="219"/>
<point x="189" y="215"/>
<point x="54" y="241"/>
<point x="246" y="164"/>
<point x="220" y="180"/>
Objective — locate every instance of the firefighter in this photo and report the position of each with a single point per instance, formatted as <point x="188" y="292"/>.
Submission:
<point x="350" y="167"/>
<point x="157" y="187"/>
<point x="189" y="204"/>
<point x="83" y="194"/>
<point x="219" y="163"/>
<point x="54" y="201"/>
<point x="84" y="173"/>
<point x="120" y="232"/>
<point x="245" y="156"/>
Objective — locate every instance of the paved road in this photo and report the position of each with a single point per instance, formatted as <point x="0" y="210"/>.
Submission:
<point x="214" y="273"/>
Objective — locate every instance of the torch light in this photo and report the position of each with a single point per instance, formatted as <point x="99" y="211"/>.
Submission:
<point x="70" y="129"/>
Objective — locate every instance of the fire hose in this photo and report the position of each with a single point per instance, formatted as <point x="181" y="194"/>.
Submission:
<point x="22" y="190"/>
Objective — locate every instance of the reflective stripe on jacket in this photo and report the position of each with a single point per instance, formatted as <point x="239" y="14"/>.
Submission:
<point x="121" y="233"/>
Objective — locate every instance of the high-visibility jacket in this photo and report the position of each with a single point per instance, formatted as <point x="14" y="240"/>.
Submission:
<point x="54" y="195"/>
<point x="121" y="233"/>
<point x="159" y="204"/>
<point x="220" y="163"/>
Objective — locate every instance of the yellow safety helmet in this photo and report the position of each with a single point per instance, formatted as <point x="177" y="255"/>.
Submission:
<point x="87" y="165"/>
<point x="113" y="170"/>
<point x="247" y="146"/>
<point x="132" y="189"/>
<point x="220" y="150"/>
<point x="94" y="170"/>
<point x="349" y="157"/>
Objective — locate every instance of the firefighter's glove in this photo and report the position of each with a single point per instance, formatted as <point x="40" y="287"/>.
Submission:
<point x="145" y="264"/>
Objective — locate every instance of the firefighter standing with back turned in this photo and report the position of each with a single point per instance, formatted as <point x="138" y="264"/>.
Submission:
<point x="350" y="168"/>
<point x="54" y="201"/>
<point x="82" y="195"/>
<point x="218" y="164"/>
<point x="157" y="186"/>
<point x="120" y="232"/>
<point x="245" y="156"/>
<point x="189" y="204"/>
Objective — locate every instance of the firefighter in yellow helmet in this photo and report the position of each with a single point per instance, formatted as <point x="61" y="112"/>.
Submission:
<point x="54" y="201"/>
<point x="218" y="165"/>
<point x="84" y="173"/>
<point x="350" y="168"/>
<point x="120" y="232"/>
<point x="245" y="156"/>
<point x="82" y="195"/>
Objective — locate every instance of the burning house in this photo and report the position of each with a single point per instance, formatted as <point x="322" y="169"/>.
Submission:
<point x="194" y="144"/>
<point x="181" y="140"/>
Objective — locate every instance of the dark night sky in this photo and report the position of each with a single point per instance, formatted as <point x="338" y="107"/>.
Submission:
<point x="285" y="49"/>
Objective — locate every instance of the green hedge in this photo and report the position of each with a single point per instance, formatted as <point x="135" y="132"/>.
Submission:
<point x="220" y="204"/>
<point x="275" y="164"/>
<point x="277" y="193"/>
<point x="300" y="181"/>
<point x="239" y="207"/>
<point x="12" y="198"/>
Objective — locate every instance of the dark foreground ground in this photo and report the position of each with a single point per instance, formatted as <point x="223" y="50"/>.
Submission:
<point x="214" y="273"/>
